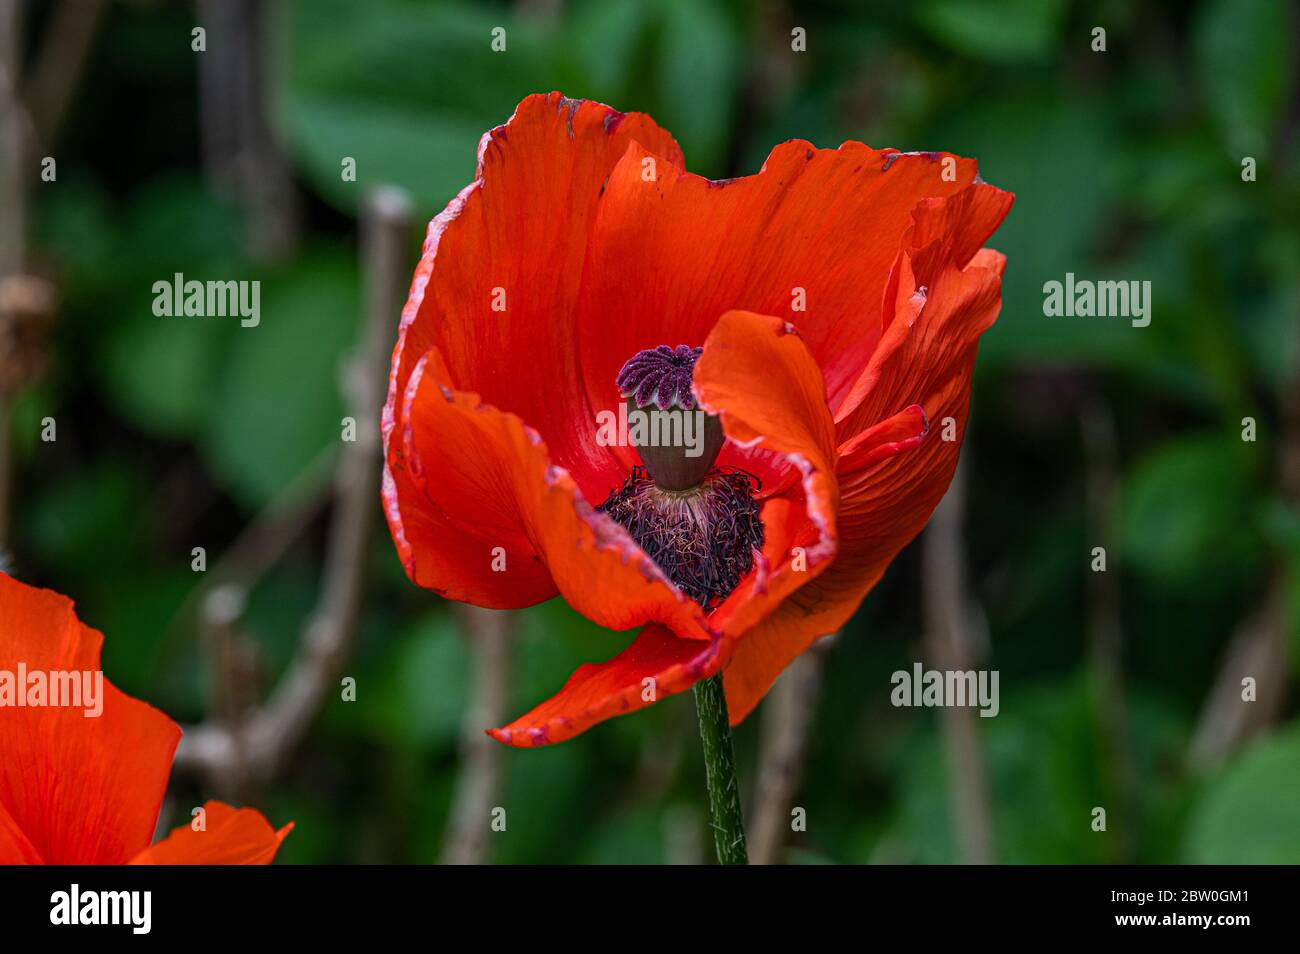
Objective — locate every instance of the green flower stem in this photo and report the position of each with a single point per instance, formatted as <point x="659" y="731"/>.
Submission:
<point x="720" y="772"/>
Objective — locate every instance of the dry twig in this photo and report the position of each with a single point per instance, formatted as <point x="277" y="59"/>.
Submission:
<point x="13" y="218"/>
<point x="270" y="733"/>
<point x="788" y="715"/>
<point x="488" y="634"/>
<point x="951" y="643"/>
<point x="1260" y="648"/>
<point x="60" y="63"/>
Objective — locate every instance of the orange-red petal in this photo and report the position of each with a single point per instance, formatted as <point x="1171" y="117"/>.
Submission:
<point x="229" y="836"/>
<point x="810" y="239"/>
<point x="82" y="790"/>
<point x="498" y="283"/>
<point x="925" y="360"/>
<point x="656" y="664"/>
<point x="462" y="453"/>
<point x="513" y="240"/>
<point x="928" y="326"/>
<point x="15" y="847"/>
<point x="904" y="431"/>
<point x="759" y="377"/>
<point x="459" y="537"/>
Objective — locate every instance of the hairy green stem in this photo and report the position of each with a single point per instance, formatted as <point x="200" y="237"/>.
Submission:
<point x="720" y="772"/>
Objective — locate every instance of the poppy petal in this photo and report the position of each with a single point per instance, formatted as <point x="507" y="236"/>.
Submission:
<point x="758" y="376"/>
<point x="903" y="431"/>
<point x="656" y="664"/>
<point x="230" y="837"/>
<point x="811" y="238"/>
<point x="82" y="789"/>
<point x="464" y="454"/>
<point x="509" y="253"/>
<point x="764" y="652"/>
<point x="941" y="243"/>
<point x="454" y="546"/>
<point x="925" y="359"/>
<point x="15" y="848"/>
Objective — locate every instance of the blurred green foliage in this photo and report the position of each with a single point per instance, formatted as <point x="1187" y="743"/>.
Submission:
<point x="1126" y="164"/>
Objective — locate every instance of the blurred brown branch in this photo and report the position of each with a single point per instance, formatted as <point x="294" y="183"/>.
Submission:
<point x="788" y="714"/>
<point x="13" y="221"/>
<point x="14" y="124"/>
<point x="60" y="64"/>
<point x="267" y="735"/>
<point x="241" y="152"/>
<point x="1260" y="648"/>
<point x="488" y="634"/>
<point x="234" y="663"/>
<point x="30" y="115"/>
<point x="1257" y="650"/>
<point x="952" y="642"/>
<point x="1106" y="632"/>
<point x="262" y="542"/>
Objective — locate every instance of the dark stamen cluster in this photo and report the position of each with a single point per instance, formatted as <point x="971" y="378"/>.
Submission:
<point x="703" y="539"/>
<point x="661" y="375"/>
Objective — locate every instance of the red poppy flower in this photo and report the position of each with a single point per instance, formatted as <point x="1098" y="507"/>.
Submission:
<point x="838" y="297"/>
<point x="79" y="788"/>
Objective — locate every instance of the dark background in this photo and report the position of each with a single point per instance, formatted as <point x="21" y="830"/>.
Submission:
<point x="1119" y="689"/>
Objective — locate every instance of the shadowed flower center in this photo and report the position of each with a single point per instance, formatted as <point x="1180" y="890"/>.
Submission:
<point x="700" y="524"/>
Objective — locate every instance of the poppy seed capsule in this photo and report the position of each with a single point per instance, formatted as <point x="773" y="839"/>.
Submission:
<point x="677" y="446"/>
<point x="678" y="441"/>
<point x="701" y="526"/>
